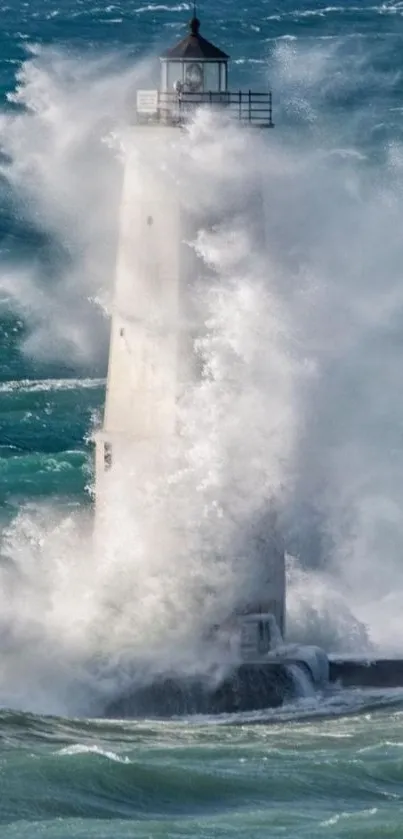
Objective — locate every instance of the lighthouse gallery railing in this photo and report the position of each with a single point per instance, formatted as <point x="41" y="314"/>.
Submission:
<point x="176" y="108"/>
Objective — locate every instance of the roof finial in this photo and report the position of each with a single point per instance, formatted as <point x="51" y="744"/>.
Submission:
<point x="194" y="23"/>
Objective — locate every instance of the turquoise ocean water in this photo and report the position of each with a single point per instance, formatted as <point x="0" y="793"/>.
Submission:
<point x="333" y="175"/>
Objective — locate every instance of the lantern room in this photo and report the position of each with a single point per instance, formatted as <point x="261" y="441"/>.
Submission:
<point x="194" y="74"/>
<point x="194" y="65"/>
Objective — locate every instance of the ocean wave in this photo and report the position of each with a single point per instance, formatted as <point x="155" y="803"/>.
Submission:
<point x="36" y="474"/>
<point x="300" y="14"/>
<point x="197" y="768"/>
<point x="199" y="780"/>
<point x="81" y="749"/>
<point x="337" y="702"/>
<point x="39" y="385"/>
<point x="156" y="7"/>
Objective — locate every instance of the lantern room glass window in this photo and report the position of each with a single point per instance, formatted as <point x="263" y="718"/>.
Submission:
<point x="212" y="79"/>
<point x="174" y="73"/>
<point x="213" y="75"/>
<point x="194" y="77"/>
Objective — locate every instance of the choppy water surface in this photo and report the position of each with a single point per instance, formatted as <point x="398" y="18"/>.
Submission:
<point x="67" y="778"/>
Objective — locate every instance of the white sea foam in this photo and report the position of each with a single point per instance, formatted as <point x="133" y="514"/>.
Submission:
<point x="82" y="749"/>
<point x="36" y="386"/>
<point x="158" y="7"/>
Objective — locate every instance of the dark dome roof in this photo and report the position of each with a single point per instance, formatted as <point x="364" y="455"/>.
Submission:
<point x="194" y="46"/>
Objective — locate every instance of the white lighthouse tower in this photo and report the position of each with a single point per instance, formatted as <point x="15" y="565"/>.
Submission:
<point x="143" y="371"/>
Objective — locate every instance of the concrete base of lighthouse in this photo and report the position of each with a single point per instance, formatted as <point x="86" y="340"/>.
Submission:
<point x="248" y="688"/>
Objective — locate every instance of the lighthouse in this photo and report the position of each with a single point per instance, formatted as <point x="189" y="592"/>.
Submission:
<point x="143" y="383"/>
<point x="144" y="372"/>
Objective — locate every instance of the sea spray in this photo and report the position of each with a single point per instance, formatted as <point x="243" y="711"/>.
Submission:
<point x="298" y="342"/>
<point x="193" y="533"/>
<point x="141" y="602"/>
<point x="66" y="182"/>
